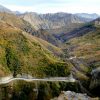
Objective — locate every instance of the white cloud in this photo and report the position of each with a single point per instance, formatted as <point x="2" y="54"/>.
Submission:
<point x="52" y="8"/>
<point x="20" y="8"/>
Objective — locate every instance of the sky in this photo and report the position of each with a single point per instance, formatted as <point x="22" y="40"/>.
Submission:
<point x="53" y="6"/>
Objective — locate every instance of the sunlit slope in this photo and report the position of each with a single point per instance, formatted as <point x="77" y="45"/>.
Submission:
<point x="22" y="53"/>
<point x="15" y="21"/>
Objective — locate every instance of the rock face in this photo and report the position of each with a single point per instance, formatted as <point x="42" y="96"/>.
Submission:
<point x="52" y="21"/>
<point x="34" y="19"/>
<point x="95" y="82"/>
<point x="96" y="73"/>
<point x="68" y="95"/>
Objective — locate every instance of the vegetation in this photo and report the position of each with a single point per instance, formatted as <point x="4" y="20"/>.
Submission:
<point x="21" y="90"/>
<point x="87" y="46"/>
<point x="22" y="53"/>
<point x="57" y="69"/>
<point x="13" y="62"/>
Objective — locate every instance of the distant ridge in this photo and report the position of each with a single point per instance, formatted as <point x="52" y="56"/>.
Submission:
<point x="4" y="9"/>
<point x="86" y="15"/>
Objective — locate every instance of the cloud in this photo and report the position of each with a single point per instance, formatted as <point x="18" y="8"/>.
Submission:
<point x="52" y="6"/>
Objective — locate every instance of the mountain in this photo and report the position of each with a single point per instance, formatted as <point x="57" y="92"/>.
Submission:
<point x="33" y="19"/>
<point x="83" y="49"/>
<point x="86" y="45"/>
<point x="76" y="32"/>
<point x="45" y="26"/>
<point x="51" y="21"/>
<point x="58" y="20"/>
<point x="16" y="22"/>
<point x="86" y="28"/>
<point x="54" y="23"/>
<point x="4" y="9"/>
<point x="88" y="16"/>
<point x="17" y="12"/>
<point x="57" y="23"/>
<point x="45" y="35"/>
<point x="45" y="46"/>
<point x="26" y="26"/>
<point x="22" y="53"/>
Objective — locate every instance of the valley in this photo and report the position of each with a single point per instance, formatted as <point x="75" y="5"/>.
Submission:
<point x="44" y="55"/>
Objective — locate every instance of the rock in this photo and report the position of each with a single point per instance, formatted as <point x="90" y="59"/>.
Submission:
<point x="95" y="81"/>
<point x="96" y="73"/>
<point x="6" y="78"/>
<point x="69" y="95"/>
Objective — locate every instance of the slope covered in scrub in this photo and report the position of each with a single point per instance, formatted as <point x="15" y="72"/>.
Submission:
<point x="22" y="53"/>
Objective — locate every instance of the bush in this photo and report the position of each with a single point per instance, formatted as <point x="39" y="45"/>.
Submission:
<point x="12" y="61"/>
<point x="57" y="69"/>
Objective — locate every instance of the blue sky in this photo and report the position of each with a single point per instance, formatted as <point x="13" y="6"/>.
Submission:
<point x="52" y="6"/>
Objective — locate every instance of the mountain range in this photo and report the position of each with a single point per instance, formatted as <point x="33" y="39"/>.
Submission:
<point x="90" y="16"/>
<point x="53" y="21"/>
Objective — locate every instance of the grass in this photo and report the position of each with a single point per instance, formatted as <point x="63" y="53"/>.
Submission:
<point x="86" y="46"/>
<point x="23" y="53"/>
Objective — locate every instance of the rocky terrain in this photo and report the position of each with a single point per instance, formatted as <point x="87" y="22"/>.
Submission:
<point x="54" y="21"/>
<point x="68" y="95"/>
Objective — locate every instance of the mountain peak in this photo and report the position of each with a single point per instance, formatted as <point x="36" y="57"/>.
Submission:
<point x="4" y="9"/>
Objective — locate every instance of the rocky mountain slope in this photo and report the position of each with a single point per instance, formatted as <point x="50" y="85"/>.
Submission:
<point x="87" y="45"/>
<point x="52" y="21"/>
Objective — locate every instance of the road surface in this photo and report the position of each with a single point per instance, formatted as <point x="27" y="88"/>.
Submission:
<point x="52" y="79"/>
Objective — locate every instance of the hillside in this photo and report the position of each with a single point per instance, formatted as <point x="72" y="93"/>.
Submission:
<point x="22" y="53"/>
<point x="26" y="26"/>
<point x="16" y="22"/>
<point x="52" y="21"/>
<point x="78" y="32"/>
<point x="87" y="45"/>
<point x="47" y="36"/>
<point x="49" y="56"/>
